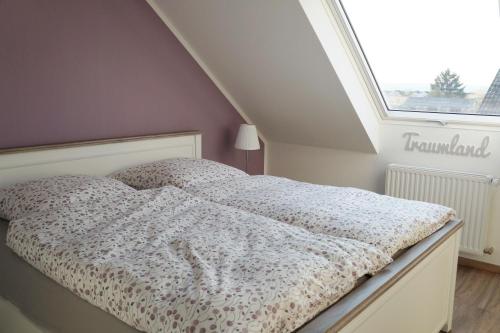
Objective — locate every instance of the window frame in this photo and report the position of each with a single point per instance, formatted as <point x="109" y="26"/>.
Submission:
<point x="358" y="56"/>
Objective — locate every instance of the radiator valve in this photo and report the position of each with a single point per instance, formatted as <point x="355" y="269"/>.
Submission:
<point x="489" y="250"/>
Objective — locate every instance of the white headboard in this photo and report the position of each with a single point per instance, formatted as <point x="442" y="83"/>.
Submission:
<point x="98" y="158"/>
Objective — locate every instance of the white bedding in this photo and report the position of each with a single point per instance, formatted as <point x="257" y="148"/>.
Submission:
<point x="388" y="223"/>
<point x="165" y="261"/>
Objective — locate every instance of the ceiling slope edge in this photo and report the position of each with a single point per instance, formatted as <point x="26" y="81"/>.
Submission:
<point x="162" y="15"/>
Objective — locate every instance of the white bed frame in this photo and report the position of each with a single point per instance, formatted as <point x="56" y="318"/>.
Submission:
<point x="98" y="158"/>
<point x="418" y="301"/>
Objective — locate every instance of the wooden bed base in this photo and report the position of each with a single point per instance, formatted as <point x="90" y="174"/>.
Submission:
<point x="413" y="294"/>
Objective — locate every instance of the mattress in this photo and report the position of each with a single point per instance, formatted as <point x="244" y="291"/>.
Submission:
<point x="46" y="303"/>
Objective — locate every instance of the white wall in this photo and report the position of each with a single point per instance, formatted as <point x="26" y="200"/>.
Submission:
<point x="364" y="170"/>
<point x="267" y="59"/>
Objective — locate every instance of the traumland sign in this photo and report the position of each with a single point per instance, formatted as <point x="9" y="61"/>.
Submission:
<point x="454" y="147"/>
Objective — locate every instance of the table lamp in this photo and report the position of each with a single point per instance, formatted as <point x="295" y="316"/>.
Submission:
<point x="246" y="140"/>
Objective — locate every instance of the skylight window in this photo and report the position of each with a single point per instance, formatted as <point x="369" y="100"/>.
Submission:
<point x="434" y="56"/>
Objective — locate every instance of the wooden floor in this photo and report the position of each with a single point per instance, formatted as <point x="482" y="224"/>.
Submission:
<point x="477" y="302"/>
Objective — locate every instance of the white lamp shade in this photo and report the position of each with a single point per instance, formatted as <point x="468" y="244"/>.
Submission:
<point x="247" y="138"/>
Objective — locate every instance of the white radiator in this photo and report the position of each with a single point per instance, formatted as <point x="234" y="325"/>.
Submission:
<point x="469" y="194"/>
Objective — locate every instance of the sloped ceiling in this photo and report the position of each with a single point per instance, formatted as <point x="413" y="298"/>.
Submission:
<point x="267" y="57"/>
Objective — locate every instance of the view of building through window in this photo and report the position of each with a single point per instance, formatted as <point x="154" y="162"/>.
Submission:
<point x="431" y="55"/>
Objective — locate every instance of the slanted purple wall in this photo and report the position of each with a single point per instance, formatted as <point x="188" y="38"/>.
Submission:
<point x="74" y="70"/>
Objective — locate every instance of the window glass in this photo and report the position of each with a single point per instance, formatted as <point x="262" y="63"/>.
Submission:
<point x="431" y="55"/>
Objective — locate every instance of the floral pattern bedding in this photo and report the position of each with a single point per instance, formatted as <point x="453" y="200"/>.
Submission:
<point x="390" y="224"/>
<point x="165" y="261"/>
<point x="19" y="200"/>
<point x="180" y="172"/>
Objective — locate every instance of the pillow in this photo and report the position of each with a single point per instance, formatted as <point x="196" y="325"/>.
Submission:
<point x="180" y="172"/>
<point x="19" y="200"/>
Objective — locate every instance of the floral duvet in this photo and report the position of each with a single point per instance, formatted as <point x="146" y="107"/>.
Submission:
<point x="165" y="261"/>
<point x="388" y="223"/>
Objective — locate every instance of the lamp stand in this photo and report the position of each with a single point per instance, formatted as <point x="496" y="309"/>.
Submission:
<point x="246" y="161"/>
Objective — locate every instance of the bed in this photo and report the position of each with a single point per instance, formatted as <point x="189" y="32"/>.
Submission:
<point x="413" y="294"/>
